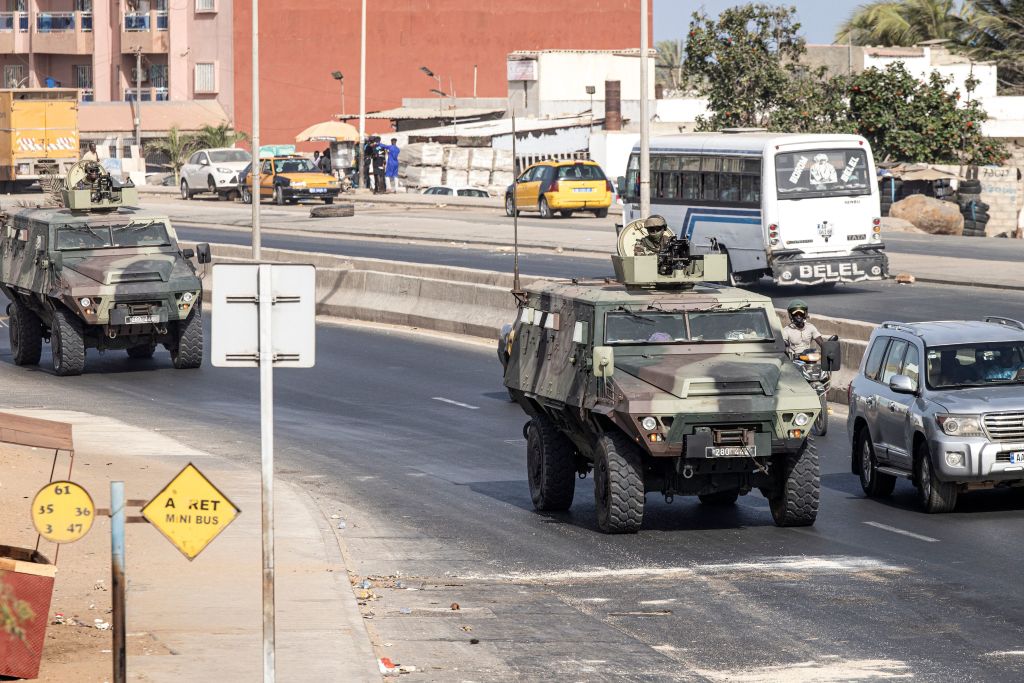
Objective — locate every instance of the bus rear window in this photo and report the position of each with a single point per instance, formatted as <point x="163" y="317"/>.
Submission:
<point x="822" y="173"/>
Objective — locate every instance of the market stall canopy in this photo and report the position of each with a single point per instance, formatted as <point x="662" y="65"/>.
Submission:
<point x="329" y="131"/>
<point x="911" y="172"/>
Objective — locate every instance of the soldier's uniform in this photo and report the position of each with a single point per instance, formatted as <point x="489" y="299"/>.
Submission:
<point x="657" y="238"/>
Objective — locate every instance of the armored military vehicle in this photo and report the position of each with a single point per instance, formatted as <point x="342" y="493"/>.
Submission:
<point x="660" y="382"/>
<point x="98" y="273"/>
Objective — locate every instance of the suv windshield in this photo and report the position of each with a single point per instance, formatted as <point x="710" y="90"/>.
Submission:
<point x="822" y="173"/>
<point x="974" y="365"/>
<point x="226" y="155"/>
<point x="658" y="327"/>
<point x="112" y="236"/>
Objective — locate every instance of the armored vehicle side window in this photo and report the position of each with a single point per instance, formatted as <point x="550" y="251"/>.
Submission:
<point x="893" y="360"/>
<point x="726" y="326"/>
<point x="875" y="356"/>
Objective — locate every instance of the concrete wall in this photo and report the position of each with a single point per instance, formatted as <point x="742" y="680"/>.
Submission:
<point x="611" y="149"/>
<point x="1003" y="190"/>
<point x="923" y="66"/>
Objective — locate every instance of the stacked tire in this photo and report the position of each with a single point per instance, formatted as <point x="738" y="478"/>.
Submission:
<point x="944" y="191"/>
<point x="890" y="191"/>
<point x="974" y="211"/>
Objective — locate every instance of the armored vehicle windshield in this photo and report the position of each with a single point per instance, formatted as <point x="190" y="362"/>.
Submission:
<point x="112" y="235"/>
<point x="677" y="327"/>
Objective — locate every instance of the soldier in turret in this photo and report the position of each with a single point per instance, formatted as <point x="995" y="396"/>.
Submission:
<point x="658" y="236"/>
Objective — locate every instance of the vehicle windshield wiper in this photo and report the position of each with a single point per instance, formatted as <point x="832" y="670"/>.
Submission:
<point x="636" y="316"/>
<point x="137" y="226"/>
<point x="85" y="227"/>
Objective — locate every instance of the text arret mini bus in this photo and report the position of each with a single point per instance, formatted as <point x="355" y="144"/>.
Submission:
<point x="802" y="209"/>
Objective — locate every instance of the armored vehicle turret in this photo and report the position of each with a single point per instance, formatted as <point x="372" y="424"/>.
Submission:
<point x="99" y="273"/>
<point x="659" y="381"/>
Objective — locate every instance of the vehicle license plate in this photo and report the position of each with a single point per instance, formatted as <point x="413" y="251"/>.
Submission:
<point x="1017" y="458"/>
<point x="317" y="189"/>
<point x="141" y="319"/>
<point x="730" y="451"/>
<point x="582" y="189"/>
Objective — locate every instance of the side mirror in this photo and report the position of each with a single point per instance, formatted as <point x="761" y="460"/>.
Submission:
<point x="832" y="355"/>
<point x="204" y="162"/>
<point x="203" y="253"/>
<point x="188" y="253"/>
<point x="604" y="361"/>
<point x="620" y="185"/>
<point x="901" y="384"/>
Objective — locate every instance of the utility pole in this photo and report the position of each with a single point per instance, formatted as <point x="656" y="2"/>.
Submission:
<point x="256" y="248"/>
<point x="138" y="99"/>
<point x="362" y="94"/>
<point x="645" y="119"/>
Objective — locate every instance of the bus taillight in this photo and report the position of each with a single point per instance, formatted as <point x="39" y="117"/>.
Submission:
<point x="773" y="234"/>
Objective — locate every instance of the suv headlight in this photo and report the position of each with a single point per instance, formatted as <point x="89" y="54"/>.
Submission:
<point x="961" y="425"/>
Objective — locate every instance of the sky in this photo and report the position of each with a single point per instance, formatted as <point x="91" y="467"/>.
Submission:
<point x="819" y="18"/>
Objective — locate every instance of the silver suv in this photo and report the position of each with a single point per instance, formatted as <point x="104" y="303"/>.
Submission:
<point x="941" y="404"/>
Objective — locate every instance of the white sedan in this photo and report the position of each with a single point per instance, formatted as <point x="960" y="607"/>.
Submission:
<point x="450" y="190"/>
<point x="214" y="171"/>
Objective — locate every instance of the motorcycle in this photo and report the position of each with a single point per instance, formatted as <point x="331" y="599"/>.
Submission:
<point x="819" y="375"/>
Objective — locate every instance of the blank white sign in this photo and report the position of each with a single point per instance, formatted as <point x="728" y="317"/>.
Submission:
<point x="236" y="314"/>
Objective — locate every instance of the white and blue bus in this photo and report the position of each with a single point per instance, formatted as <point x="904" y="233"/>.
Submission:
<point x="802" y="209"/>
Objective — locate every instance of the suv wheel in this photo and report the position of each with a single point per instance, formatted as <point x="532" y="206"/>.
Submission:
<point x="618" y="485"/>
<point x="794" y="502"/>
<point x="601" y="213"/>
<point x="935" y="496"/>
<point x="26" y="333"/>
<point x="875" y="484"/>
<point x="67" y="345"/>
<point x="187" y="354"/>
<point x="550" y="465"/>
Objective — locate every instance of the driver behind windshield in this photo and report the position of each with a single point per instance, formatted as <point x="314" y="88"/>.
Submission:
<point x="997" y="365"/>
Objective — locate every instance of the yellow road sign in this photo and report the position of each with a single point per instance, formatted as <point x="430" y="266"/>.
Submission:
<point x="62" y="512"/>
<point x="190" y="511"/>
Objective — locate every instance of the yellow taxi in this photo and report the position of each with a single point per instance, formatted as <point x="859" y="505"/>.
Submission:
<point x="562" y="187"/>
<point x="288" y="179"/>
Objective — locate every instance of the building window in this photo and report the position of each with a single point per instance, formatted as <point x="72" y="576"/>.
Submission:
<point x="206" y="5"/>
<point x="206" y="78"/>
<point x="158" y="75"/>
<point x="14" y="75"/>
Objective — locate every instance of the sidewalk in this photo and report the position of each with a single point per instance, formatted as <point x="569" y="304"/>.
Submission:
<point x="199" y="620"/>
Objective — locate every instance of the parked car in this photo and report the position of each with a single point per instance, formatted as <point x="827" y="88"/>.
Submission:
<point x="457" y="191"/>
<point x="561" y="186"/>
<point x="214" y="171"/>
<point x="289" y="178"/>
<point x="941" y="404"/>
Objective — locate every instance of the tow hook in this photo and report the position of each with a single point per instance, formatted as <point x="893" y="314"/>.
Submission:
<point x="112" y="333"/>
<point x="669" y="498"/>
<point x="687" y="472"/>
<point x="525" y="428"/>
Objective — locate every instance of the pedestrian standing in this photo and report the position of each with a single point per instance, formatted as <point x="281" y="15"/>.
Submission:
<point x="90" y="154"/>
<point x="379" y="160"/>
<point x="325" y="162"/>
<point x="368" y="161"/>
<point x="391" y="169"/>
<point x="316" y="158"/>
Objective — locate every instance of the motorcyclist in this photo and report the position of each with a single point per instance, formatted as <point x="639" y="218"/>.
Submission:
<point x="799" y="333"/>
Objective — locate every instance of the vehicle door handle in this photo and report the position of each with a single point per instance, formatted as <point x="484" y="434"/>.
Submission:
<point x="892" y="407"/>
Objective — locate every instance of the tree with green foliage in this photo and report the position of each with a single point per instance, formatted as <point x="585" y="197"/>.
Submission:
<point x="903" y="22"/>
<point x="221" y="135"/>
<point x="996" y="34"/>
<point x="668" y="67"/>
<point x="14" y="613"/>
<point x="177" y="146"/>
<point x="905" y="119"/>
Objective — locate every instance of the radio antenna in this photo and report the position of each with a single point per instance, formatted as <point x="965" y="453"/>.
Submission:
<point x="517" y="291"/>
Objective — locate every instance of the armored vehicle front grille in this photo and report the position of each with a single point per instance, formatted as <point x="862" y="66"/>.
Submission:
<point x="139" y="307"/>
<point x="123" y="278"/>
<point x="1005" y="426"/>
<point x="718" y="388"/>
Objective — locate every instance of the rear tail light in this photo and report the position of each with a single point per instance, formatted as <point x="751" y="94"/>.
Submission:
<point x="876" y="225"/>
<point x="608" y="185"/>
<point x="554" y="187"/>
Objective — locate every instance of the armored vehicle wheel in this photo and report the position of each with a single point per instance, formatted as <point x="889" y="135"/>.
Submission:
<point x="935" y="496"/>
<point x="875" y="484"/>
<point x="510" y="207"/>
<point x="601" y="213"/>
<point x="185" y="192"/>
<point x="26" y="332"/>
<point x="279" y="196"/>
<point x="794" y="502"/>
<point x="550" y="465"/>
<point x="67" y="344"/>
<point x="820" y="427"/>
<point x="142" y="351"/>
<point x="545" y="210"/>
<point x="720" y="498"/>
<point x="188" y="353"/>
<point x="618" y="485"/>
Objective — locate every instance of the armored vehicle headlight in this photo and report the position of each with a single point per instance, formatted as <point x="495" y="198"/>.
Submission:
<point x="649" y="423"/>
<point x="85" y="301"/>
<point x="187" y="297"/>
<point x="960" y="425"/>
<point x="800" y="419"/>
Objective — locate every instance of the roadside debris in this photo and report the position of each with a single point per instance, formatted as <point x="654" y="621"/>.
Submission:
<point x="905" y="279"/>
<point x="455" y="607"/>
<point x="389" y="667"/>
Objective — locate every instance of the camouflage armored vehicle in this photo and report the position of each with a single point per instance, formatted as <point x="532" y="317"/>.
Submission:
<point x="97" y="273"/>
<point x="659" y="382"/>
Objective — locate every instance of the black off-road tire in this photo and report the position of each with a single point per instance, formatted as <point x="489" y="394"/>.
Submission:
<point x="26" y="333"/>
<point x="874" y="483"/>
<point x="550" y="466"/>
<point x="601" y="213"/>
<point x="820" y="426"/>
<point x="67" y="344"/>
<point x="545" y="210"/>
<point x="188" y="353"/>
<point x="618" y="484"/>
<point x="720" y="498"/>
<point x="798" y="487"/>
<point x="142" y="351"/>
<point x="935" y="496"/>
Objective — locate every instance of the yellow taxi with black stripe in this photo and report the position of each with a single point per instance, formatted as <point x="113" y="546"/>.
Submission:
<point x="289" y="178"/>
<point x="562" y="187"/>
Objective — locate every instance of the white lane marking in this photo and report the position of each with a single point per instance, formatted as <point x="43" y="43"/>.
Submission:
<point x="456" y="403"/>
<point x="911" y="534"/>
<point x="1005" y="653"/>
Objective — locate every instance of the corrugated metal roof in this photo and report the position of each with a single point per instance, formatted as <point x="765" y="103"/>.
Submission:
<point x="426" y="113"/>
<point x="504" y="127"/>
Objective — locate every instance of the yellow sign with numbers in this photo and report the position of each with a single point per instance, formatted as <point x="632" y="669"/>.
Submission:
<point x="62" y="512"/>
<point x="190" y="511"/>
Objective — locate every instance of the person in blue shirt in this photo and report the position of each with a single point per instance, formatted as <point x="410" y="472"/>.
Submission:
<point x="1002" y="367"/>
<point x="391" y="169"/>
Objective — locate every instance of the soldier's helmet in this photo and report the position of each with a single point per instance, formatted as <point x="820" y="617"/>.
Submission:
<point x="655" y="223"/>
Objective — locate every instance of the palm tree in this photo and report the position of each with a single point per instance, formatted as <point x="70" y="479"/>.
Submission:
<point x="221" y="135"/>
<point x="668" y="66"/>
<point x="996" y="34"/>
<point x="903" y="22"/>
<point x="177" y="146"/>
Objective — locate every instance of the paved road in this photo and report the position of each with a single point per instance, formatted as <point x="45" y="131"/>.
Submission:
<point x="872" y="302"/>
<point x="413" y="442"/>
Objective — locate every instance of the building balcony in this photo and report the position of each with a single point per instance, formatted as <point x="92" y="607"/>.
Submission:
<point x="63" y="33"/>
<point x="14" y="36"/>
<point x="145" y="31"/>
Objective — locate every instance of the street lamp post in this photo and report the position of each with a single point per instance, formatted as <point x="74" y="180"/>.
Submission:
<point x="437" y="77"/>
<point x="645" y="119"/>
<point x="340" y="77"/>
<point x="590" y="91"/>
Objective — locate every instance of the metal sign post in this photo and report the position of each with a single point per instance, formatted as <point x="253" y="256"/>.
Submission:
<point x="117" y="579"/>
<point x="265" y="315"/>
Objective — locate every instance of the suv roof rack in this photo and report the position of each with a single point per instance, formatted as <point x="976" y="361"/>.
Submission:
<point x="896" y="325"/>
<point x="1007" y="322"/>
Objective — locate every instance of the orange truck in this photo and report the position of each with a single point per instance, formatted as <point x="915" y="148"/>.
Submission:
<point x="38" y="134"/>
